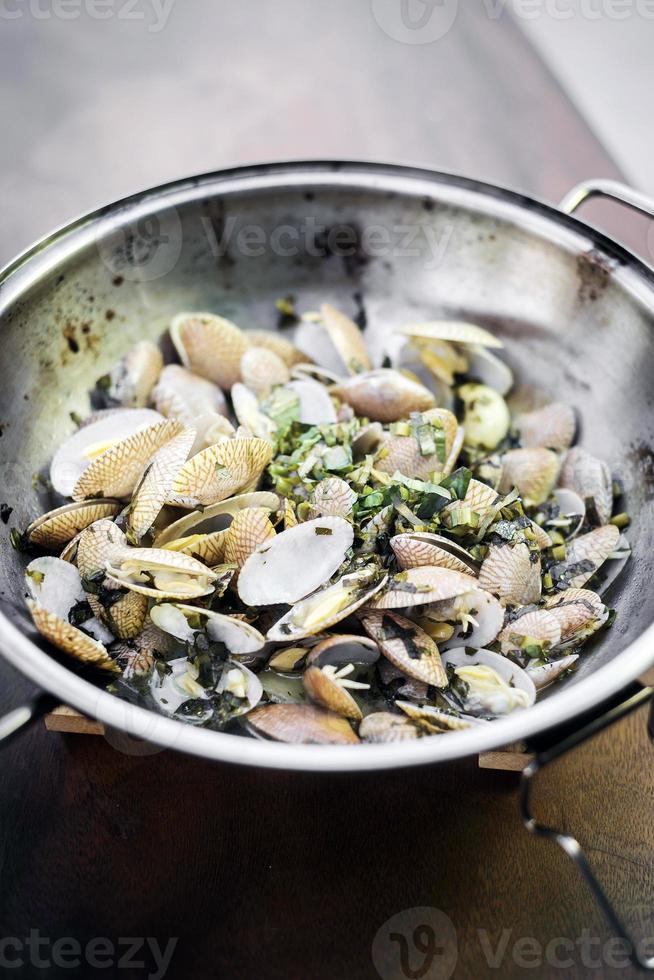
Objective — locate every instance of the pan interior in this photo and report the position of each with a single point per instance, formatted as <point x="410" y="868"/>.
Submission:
<point x="388" y="249"/>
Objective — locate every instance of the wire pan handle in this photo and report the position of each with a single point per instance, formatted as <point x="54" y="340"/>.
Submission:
<point x="634" y="698"/>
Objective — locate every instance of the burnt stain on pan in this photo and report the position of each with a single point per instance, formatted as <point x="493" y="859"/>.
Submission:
<point x="641" y="456"/>
<point x="594" y="270"/>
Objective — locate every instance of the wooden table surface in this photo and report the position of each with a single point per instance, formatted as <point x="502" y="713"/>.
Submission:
<point x="269" y="875"/>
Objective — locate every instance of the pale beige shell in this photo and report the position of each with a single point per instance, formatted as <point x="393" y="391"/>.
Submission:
<point x="441" y="359"/>
<point x="481" y="499"/>
<point x="532" y="472"/>
<point x="552" y="427"/>
<point x="117" y="471"/>
<point x="419" y="586"/>
<point x="156" y="483"/>
<point x="60" y="526"/>
<point x="431" y="719"/>
<point x="183" y="395"/>
<point x="279" y="345"/>
<point x="210" y="346"/>
<point x="70" y="640"/>
<point x="301" y="723"/>
<point x="594" y="547"/>
<point x="157" y="573"/>
<point x="248" y="530"/>
<point x="346" y="338"/>
<point x="328" y="606"/>
<point x="541" y="537"/>
<point x="403" y="452"/>
<point x="590" y="478"/>
<point x="290" y="517"/>
<point x="415" y="550"/>
<point x="135" y="375"/>
<point x="575" y="610"/>
<point x="399" y="639"/>
<point x="324" y="691"/>
<point x="382" y="727"/>
<point x="332" y="497"/>
<point x="208" y="548"/>
<point x="384" y="395"/>
<point x="453" y="331"/>
<point x="539" y="624"/>
<point x="510" y="573"/>
<point x="225" y="508"/>
<point x="262" y="370"/>
<point x="220" y="471"/>
<point x="98" y="545"/>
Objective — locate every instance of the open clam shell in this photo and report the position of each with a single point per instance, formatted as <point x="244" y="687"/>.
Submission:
<point x="415" y="549"/>
<point x="183" y="395"/>
<point x="486" y="367"/>
<point x="552" y="427"/>
<point x="76" y="454"/>
<point x="512" y="573"/>
<point x="407" y="646"/>
<point x="347" y="339"/>
<point x="332" y="497"/>
<point x="295" y="563"/>
<point x="591" y="479"/>
<point x="249" y="529"/>
<point x="123" y="612"/>
<point x="60" y="526"/>
<point x="328" y="606"/>
<point x="183" y="622"/>
<point x="539" y="626"/>
<point x="262" y="370"/>
<point x="434" y="721"/>
<point x="572" y="512"/>
<point x="272" y="340"/>
<point x="159" y="574"/>
<point x="135" y="375"/>
<point x="579" y="612"/>
<point x="384" y="395"/>
<point x="249" y="415"/>
<point x="156" y="483"/>
<point x="343" y="649"/>
<point x="453" y="331"/>
<point x="220" y="471"/>
<point x="316" y="406"/>
<point x="421" y="586"/>
<point x="587" y="553"/>
<point x="383" y="727"/>
<point x="406" y="454"/>
<point x="533" y="472"/>
<point x="216" y="517"/>
<point x="545" y="674"/>
<point x="495" y="685"/>
<point x="300" y="723"/>
<point x="477" y="616"/>
<point x="57" y="587"/>
<point x="327" y="686"/>
<point x="71" y="640"/>
<point x="116" y="472"/>
<point x="181" y="685"/>
<point x="210" y="346"/>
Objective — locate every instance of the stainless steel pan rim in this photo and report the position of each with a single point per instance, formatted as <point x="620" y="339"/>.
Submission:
<point x="72" y="689"/>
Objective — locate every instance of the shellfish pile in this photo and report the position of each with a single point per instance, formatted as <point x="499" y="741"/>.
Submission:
<point x="317" y="549"/>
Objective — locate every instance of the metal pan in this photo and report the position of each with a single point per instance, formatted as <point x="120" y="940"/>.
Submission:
<point x="576" y="309"/>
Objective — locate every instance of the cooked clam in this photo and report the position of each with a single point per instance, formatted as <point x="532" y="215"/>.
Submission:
<point x="420" y="586"/>
<point x="301" y="723"/>
<point x="539" y="629"/>
<point x="545" y="674"/>
<point x="494" y="685"/>
<point x="123" y="612"/>
<point x="477" y="617"/>
<point x="512" y="573"/>
<point x="532" y="472"/>
<point x="60" y="526"/>
<point x="210" y="346"/>
<point x="185" y="396"/>
<point x="159" y="574"/>
<point x="384" y="727"/>
<point x="552" y="427"/>
<point x="295" y="563"/>
<point x="332" y="497"/>
<point x="116" y="471"/>
<point x="219" y="472"/>
<point x="283" y="348"/>
<point x="133" y="378"/>
<point x="585" y="555"/>
<point x="328" y="606"/>
<point x="156" y="483"/>
<point x="407" y="646"/>
<point x="262" y="370"/>
<point x="384" y="395"/>
<point x="71" y="640"/>
<point x="590" y="478"/>
<point x="183" y="622"/>
<point x="413" y="550"/>
<point x="453" y="331"/>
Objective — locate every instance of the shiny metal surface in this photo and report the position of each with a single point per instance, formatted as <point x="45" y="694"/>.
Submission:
<point x="575" y="310"/>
